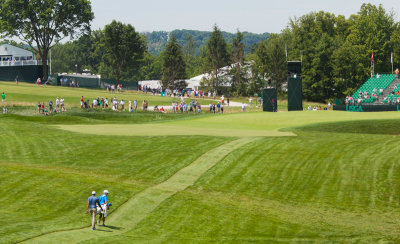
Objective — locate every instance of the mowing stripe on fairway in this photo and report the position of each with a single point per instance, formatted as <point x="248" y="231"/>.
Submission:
<point x="141" y="205"/>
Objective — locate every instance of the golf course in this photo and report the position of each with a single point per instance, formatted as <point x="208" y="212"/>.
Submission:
<point x="241" y="177"/>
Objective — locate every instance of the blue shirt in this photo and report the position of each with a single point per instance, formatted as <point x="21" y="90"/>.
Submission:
<point x="103" y="199"/>
<point x="92" y="202"/>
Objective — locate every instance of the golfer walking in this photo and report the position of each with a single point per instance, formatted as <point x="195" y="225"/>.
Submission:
<point x="103" y="200"/>
<point x="92" y="201"/>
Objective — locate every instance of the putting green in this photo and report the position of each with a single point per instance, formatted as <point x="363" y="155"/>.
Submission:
<point x="164" y="129"/>
<point x="232" y="125"/>
<point x="143" y="203"/>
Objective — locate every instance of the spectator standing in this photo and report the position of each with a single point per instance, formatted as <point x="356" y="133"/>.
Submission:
<point x="3" y="97"/>
<point x="135" y="103"/>
<point x="122" y="105"/>
<point x="39" y="107"/>
<point x="51" y="106"/>
<point x="130" y="106"/>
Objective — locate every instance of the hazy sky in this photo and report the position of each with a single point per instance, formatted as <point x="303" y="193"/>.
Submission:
<point x="246" y="15"/>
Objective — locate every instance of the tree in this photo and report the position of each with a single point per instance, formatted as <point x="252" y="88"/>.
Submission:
<point x="372" y="29"/>
<point x="43" y="23"/>
<point x="217" y="55"/>
<point x="189" y="51"/>
<point x="314" y="40"/>
<point x="349" y="69"/>
<point x="238" y="58"/>
<point x="124" y="48"/>
<point x="174" y="66"/>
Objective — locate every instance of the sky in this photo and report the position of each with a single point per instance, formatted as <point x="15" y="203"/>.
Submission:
<point x="257" y="16"/>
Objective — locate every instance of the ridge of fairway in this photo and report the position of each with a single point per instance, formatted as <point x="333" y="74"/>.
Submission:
<point x="166" y="129"/>
<point x="128" y="215"/>
<point x="231" y="125"/>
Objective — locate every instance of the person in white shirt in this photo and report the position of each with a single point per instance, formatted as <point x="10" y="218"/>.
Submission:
<point x="62" y="104"/>
<point x="130" y="106"/>
<point x="243" y="107"/>
<point x="57" y="104"/>
<point x="122" y="105"/>
<point x="135" y="104"/>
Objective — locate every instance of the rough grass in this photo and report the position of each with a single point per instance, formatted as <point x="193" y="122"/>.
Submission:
<point x="29" y="94"/>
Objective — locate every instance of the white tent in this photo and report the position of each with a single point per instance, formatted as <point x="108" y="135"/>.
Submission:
<point x="9" y="53"/>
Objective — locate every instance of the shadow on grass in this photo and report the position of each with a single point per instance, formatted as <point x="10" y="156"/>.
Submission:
<point x="113" y="227"/>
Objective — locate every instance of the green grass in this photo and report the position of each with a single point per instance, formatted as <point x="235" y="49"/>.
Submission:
<point x="29" y="94"/>
<point x="177" y="178"/>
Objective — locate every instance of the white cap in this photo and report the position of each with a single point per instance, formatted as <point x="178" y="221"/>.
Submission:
<point x="93" y="193"/>
<point x="105" y="191"/>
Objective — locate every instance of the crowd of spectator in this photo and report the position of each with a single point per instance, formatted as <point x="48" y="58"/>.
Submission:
<point x="47" y="108"/>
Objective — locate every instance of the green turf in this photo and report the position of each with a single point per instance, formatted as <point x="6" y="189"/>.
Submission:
<point x="30" y="94"/>
<point x="201" y="179"/>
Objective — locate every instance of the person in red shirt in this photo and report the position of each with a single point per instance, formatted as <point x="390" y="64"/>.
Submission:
<point x="81" y="101"/>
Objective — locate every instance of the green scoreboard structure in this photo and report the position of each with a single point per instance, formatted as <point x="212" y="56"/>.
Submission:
<point x="295" y="86"/>
<point x="270" y="103"/>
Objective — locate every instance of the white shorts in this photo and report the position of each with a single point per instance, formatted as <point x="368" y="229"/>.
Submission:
<point x="104" y="211"/>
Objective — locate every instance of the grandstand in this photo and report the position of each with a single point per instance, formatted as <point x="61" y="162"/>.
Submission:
<point x="376" y="89"/>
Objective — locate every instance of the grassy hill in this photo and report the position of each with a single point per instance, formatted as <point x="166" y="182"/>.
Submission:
<point x="157" y="40"/>
<point x="312" y="176"/>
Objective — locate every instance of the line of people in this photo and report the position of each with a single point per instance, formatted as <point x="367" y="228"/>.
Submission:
<point x="59" y="107"/>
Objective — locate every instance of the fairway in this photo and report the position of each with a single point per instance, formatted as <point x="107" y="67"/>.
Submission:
<point x="312" y="176"/>
<point x="233" y="125"/>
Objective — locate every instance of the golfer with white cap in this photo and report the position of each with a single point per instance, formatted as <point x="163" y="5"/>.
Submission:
<point x="92" y="201"/>
<point x="103" y="199"/>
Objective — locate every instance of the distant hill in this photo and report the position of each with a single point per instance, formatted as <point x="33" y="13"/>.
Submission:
<point x="158" y="39"/>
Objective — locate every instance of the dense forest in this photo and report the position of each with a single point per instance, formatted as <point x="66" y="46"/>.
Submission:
<point x="157" y="40"/>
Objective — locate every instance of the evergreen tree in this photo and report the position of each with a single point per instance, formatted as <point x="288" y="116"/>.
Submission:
<point x="174" y="66"/>
<point x="217" y="56"/>
<point x="238" y="81"/>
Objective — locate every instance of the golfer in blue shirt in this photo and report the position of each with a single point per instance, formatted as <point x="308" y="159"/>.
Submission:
<point x="91" y="205"/>
<point x="103" y="199"/>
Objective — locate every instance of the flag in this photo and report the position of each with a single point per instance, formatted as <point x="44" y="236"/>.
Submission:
<point x="372" y="58"/>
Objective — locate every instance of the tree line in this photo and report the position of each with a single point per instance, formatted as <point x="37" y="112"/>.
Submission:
<point x="335" y="51"/>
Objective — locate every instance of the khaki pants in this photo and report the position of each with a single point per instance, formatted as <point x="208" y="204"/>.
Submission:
<point x="93" y="213"/>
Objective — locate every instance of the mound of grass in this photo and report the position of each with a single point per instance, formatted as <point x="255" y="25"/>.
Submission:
<point x="321" y="186"/>
<point x="384" y="127"/>
<point x="47" y="174"/>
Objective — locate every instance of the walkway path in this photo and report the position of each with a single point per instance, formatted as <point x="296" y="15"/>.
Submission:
<point x="142" y="204"/>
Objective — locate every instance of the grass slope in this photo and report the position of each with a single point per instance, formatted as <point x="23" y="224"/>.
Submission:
<point x="336" y="181"/>
<point x="47" y="174"/>
<point x="143" y="203"/>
